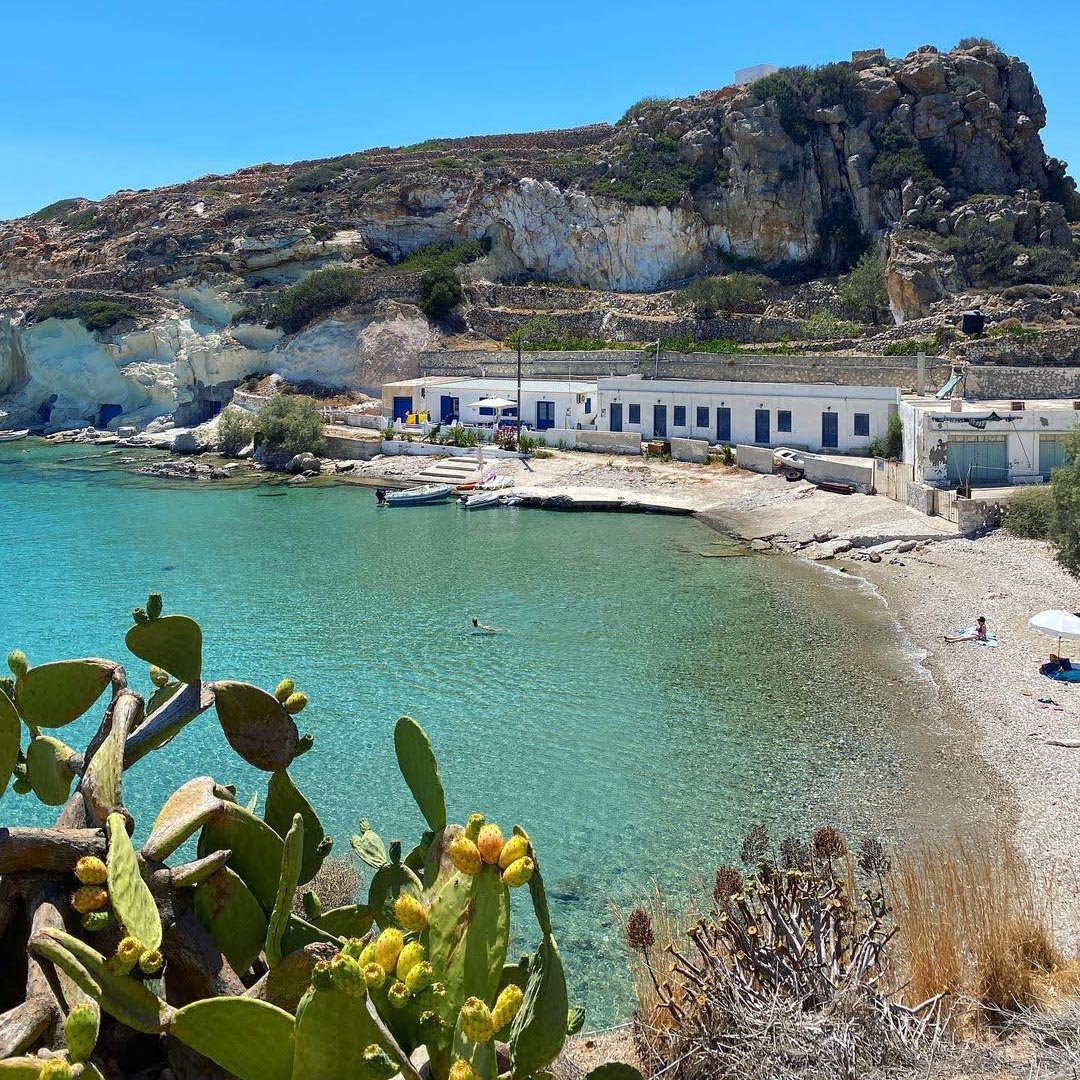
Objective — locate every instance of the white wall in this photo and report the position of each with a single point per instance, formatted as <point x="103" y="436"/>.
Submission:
<point x="806" y="403"/>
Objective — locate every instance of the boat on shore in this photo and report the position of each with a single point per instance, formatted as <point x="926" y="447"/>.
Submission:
<point x="14" y="436"/>
<point x="481" y="500"/>
<point x="421" y="496"/>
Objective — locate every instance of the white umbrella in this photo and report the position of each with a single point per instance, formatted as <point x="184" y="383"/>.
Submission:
<point x="491" y="403"/>
<point x="1059" y="624"/>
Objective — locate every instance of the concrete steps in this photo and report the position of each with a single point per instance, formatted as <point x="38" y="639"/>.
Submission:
<point x="451" y="471"/>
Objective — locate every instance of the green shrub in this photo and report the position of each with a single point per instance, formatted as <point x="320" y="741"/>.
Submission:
<point x="690" y="345"/>
<point x="973" y="42"/>
<point x="863" y="290"/>
<point x="94" y="312"/>
<point x="1061" y="188"/>
<point x="652" y="176"/>
<point x="899" y="156"/>
<point x="290" y="424"/>
<point x="315" y="179"/>
<point x="1030" y="513"/>
<point x="55" y="210"/>
<point x="990" y="259"/>
<point x="322" y="231"/>
<point x="315" y="296"/>
<point x="706" y="296"/>
<point x="843" y="241"/>
<point x="798" y="91"/>
<point x="642" y="105"/>
<point x="81" y="220"/>
<point x="891" y="444"/>
<point x="235" y="429"/>
<point x="824" y="326"/>
<point x="445" y="253"/>
<point x="440" y="291"/>
<point x="909" y="347"/>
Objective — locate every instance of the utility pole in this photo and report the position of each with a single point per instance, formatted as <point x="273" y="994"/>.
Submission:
<point x="656" y="366"/>
<point x="517" y="437"/>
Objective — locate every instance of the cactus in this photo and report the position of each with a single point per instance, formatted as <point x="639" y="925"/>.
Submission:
<point x="291" y="855"/>
<point x="18" y="663"/>
<point x="249" y="1039"/>
<point x="173" y="643"/>
<point x="151" y="962"/>
<point x="10" y="738"/>
<point x="410" y="913"/>
<point x="235" y="919"/>
<point x="518" y="872"/>
<point x="256" y="724"/>
<point x="333" y="1030"/>
<point x="507" y="1005"/>
<point x="295" y="703"/>
<point x="90" y="870"/>
<point x="132" y="901"/>
<point x="517" y="847"/>
<point x="56" y="1069"/>
<point x="256" y="849"/>
<point x="390" y="882"/>
<point x="465" y="855"/>
<point x="96" y="920"/>
<point x="284" y="689"/>
<point x="89" y="898"/>
<point x="159" y="677"/>
<point x="153" y="606"/>
<point x="475" y="1020"/>
<point x="418" y="766"/>
<point x="48" y="769"/>
<point x="388" y="948"/>
<point x="52" y="695"/>
<point x="283" y="800"/>
<point x="411" y="955"/>
<point x="185" y="811"/>
<point x="81" y="1030"/>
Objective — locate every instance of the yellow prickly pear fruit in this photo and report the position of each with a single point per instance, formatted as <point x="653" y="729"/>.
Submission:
<point x="295" y="703"/>
<point x="81" y="1031"/>
<point x="410" y="912"/>
<point x="388" y="946"/>
<point x="18" y="663"/>
<point x="462" y="1070"/>
<point x="158" y="676"/>
<point x="506" y="1006"/>
<point x="475" y="1020"/>
<point x="420" y="977"/>
<point x="151" y="962"/>
<point x="283" y="690"/>
<point x="130" y="948"/>
<point x="518" y="872"/>
<point x="322" y="975"/>
<point x="89" y="898"/>
<point x="374" y="976"/>
<point x="55" y="1069"/>
<point x="517" y="847"/>
<point x="473" y="826"/>
<point x="347" y="976"/>
<point x="90" y="870"/>
<point x="490" y="843"/>
<point x="398" y="994"/>
<point x="409" y="957"/>
<point x="465" y="855"/>
<point x="367" y="955"/>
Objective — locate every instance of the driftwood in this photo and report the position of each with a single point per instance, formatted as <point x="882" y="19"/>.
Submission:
<point x="47" y="849"/>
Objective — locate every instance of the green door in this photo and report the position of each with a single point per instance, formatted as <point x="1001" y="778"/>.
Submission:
<point x="1051" y="453"/>
<point x="983" y="457"/>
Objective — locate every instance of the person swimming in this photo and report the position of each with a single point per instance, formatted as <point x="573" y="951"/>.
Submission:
<point x="483" y="628"/>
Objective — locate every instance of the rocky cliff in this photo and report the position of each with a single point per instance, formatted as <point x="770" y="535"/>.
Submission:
<point x="154" y="301"/>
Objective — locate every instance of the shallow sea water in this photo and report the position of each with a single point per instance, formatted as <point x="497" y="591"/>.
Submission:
<point x="645" y="709"/>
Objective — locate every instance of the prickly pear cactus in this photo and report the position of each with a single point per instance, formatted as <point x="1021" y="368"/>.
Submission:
<point x="52" y="695"/>
<point x="130" y="896"/>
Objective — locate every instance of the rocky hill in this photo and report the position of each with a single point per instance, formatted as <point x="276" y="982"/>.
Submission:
<point x="154" y="301"/>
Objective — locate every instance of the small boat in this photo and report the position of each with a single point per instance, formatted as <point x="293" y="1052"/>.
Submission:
<point x="482" y="500"/>
<point x="13" y="436"/>
<point x="513" y="499"/>
<point x="421" y="496"/>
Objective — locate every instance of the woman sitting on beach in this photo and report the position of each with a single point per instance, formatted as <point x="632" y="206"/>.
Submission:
<point x="976" y="633"/>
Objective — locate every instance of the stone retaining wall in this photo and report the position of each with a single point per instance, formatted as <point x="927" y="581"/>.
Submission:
<point x="993" y="383"/>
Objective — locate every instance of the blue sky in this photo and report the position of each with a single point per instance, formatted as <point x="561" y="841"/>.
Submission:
<point x="121" y="94"/>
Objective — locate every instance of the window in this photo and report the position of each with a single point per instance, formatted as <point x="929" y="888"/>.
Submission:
<point x="633" y="414"/>
<point x="783" y="420"/>
<point x="862" y="423"/>
<point x="678" y="416"/>
<point x="702" y="416"/>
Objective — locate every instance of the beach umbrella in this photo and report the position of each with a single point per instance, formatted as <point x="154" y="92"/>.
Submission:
<point x="1059" y="624"/>
<point x="491" y="403"/>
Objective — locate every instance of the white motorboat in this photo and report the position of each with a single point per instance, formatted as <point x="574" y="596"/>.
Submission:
<point x="482" y="500"/>
<point x="421" y="496"/>
<point x="14" y="436"/>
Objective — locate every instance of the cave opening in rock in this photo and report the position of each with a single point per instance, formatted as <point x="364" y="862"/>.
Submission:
<point x="106" y="413"/>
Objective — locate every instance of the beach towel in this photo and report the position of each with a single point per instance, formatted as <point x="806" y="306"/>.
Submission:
<point x="1052" y="671"/>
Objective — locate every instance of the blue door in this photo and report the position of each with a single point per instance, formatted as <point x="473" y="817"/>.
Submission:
<point x="448" y="409"/>
<point x="659" y="422"/>
<point x="545" y="415"/>
<point x="616" y="416"/>
<point x="723" y="425"/>
<point x="761" y="425"/>
<point x="830" y="430"/>
<point x="402" y="407"/>
<point x="983" y="458"/>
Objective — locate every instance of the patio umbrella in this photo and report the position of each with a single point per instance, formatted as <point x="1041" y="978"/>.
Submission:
<point x="1059" y="624"/>
<point x="491" y="403"/>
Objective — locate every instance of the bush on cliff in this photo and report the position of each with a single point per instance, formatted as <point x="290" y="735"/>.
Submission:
<point x="440" y="292"/>
<point x="289" y="424"/>
<point x="654" y="175"/>
<point x="445" y="253"/>
<point x="990" y="259"/>
<point x="235" y="429"/>
<point x="315" y="296"/>
<point x="797" y="92"/>
<point x="899" y="156"/>
<point x="1030" y="513"/>
<point x="863" y="291"/>
<point x="94" y="312"/>
<point x="705" y="296"/>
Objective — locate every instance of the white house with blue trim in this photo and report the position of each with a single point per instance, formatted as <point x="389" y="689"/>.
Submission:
<point x="546" y="403"/>
<point x="808" y="416"/>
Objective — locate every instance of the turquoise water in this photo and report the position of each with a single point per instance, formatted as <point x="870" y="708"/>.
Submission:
<point x="645" y="709"/>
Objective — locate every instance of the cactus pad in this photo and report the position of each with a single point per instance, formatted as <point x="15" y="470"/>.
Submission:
<point x="539" y="1029"/>
<point x="369" y="847"/>
<point x="353" y="920"/>
<point x="256" y="724"/>
<point x="388" y="884"/>
<point x="131" y="899"/>
<point x="249" y="1039"/>
<point x="10" y="735"/>
<point x="48" y="770"/>
<point x="185" y="811"/>
<point x="81" y="1030"/>
<point x="256" y="849"/>
<point x="417" y="763"/>
<point x="173" y="643"/>
<point x="332" y="1032"/>
<point x="20" y="1068"/>
<point x="235" y="919"/>
<point x="291" y="857"/>
<point x="52" y="695"/>
<point x="283" y="800"/>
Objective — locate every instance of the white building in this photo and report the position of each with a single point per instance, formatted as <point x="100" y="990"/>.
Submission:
<point x="745" y="76"/>
<point x="992" y="443"/>
<point x="546" y="403"/>
<point x="807" y="416"/>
